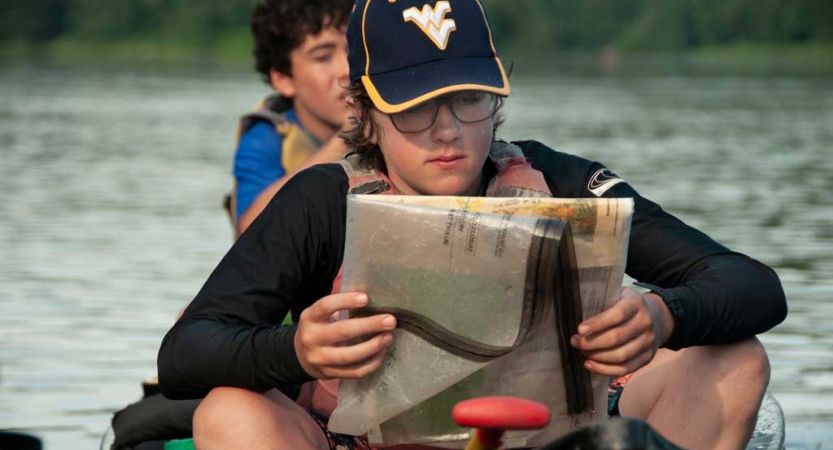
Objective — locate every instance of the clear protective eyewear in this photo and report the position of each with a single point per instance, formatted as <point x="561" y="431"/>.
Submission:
<point x="466" y="106"/>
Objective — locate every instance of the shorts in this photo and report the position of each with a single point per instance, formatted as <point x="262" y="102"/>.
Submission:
<point x="614" y="391"/>
<point x="340" y="441"/>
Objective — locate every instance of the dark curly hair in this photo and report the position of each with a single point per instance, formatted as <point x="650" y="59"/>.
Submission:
<point x="279" y="26"/>
<point x="360" y="135"/>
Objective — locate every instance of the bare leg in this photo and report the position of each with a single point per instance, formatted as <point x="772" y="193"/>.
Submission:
<point x="237" y="418"/>
<point x="701" y="397"/>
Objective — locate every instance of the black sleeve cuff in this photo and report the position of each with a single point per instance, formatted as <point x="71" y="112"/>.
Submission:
<point x="675" y="304"/>
<point x="284" y="366"/>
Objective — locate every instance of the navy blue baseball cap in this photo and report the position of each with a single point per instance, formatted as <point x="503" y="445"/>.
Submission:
<point x="409" y="51"/>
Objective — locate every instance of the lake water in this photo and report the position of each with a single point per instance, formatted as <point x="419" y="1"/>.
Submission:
<point x="111" y="181"/>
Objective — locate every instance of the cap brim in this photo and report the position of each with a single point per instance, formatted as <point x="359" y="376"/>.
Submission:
<point x="398" y="90"/>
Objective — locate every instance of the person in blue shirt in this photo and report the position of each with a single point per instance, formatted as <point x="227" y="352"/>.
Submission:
<point x="300" y="49"/>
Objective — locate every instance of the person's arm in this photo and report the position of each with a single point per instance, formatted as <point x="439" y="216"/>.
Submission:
<point x="331" y="151"/>
<point x="704" y="295"/>
<point x="720" y="296"/>
<point x="725" y="296"/>
<point x="230" y="334"/>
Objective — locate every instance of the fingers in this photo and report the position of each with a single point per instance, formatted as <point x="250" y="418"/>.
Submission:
<point x="327" y="349"/>
<point x="357" y="361"/>
<point x="360" y="369"/>
<point x="323" y="309"/>
<point x="622" y="358"/>
<point x="317" y="329"/>
<point x="638" y="324"/>
<point x="622" y="354"/>
<point x="617" y="370"/>
<point x="351" y="361"/>
<point x="621" y="339"/>
<point x="350" y="354"/>
<point x="628" y="305"/>
<point x="345" y="330"/>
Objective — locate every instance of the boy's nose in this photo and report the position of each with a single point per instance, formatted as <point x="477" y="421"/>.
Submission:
<point x="447" y="127"/>
<point x="343" y="69"/>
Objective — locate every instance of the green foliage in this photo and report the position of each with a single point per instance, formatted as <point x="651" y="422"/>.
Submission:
<point x="519" y="25"/>
<point x="202" y="21"/>
<point x="32" y="21"/>
<point x="105" y="19"/>
<point x="688" y="24"/>
<point x="193" y="21"/>
<point x="657" y="25"/>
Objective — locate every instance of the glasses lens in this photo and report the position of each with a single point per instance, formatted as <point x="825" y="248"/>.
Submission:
<point x="468" y="107"/>
<point x="473" y="106"/>
<point x="417" y="118"/>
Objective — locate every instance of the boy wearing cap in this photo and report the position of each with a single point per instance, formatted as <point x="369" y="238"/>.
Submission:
<point x="301" y="52"/>
<point x="427" y="87"/>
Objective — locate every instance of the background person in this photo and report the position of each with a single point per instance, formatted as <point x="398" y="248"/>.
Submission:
<point x="300" y="50"/>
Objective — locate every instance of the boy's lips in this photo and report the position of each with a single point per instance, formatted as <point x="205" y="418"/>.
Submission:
<point x="448" y="161"/>
<point x="447" y="157"/>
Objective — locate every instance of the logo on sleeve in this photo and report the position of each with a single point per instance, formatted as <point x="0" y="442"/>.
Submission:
<point x="602" y="181"/>
<point x="432" y="22"/>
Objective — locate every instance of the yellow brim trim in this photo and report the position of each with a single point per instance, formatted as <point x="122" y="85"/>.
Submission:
<point x="388" y="108"/>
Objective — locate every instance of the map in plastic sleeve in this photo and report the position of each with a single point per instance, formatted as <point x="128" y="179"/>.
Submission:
<point x="463" y="264"/>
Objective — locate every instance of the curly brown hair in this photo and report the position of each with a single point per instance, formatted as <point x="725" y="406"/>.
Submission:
<point x="280" y="26"/>
<point x="364" y="131"/>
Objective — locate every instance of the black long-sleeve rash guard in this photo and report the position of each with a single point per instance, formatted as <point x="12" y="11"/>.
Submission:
<point x="287" y="259"/>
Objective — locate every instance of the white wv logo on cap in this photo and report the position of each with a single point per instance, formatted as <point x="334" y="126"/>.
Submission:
<point x="601" y="181"/>
<point x="431" y="21"/>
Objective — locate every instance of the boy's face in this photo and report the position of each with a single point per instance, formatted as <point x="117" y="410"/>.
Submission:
<point x="318" y="80"/>
<point x="445" y="159"/>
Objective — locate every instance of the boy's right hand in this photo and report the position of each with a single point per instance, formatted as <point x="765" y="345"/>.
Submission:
<point x="320" y="342"/>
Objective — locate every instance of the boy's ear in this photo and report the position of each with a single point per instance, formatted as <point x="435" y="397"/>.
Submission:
<point x="282" y="83"/>
<point x="374" y="138"/>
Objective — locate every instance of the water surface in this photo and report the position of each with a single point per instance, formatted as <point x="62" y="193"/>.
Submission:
<point x="110" y="219"/>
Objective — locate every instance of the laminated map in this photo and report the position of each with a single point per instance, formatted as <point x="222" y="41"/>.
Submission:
<point x="465" y="277"/>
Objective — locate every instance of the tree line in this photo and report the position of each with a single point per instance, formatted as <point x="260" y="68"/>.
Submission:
<point x="628" y="25"/>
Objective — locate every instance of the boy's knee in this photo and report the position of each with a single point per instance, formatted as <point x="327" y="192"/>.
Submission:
<point x="238" y="418"/>
<point x="212" y="416"/>
<point x="749" y="361"/>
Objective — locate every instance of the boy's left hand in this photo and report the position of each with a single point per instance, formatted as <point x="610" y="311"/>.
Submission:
<point x="625" y="336"/>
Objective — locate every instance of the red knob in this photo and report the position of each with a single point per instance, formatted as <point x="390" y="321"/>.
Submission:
<point x="502" y="413"/>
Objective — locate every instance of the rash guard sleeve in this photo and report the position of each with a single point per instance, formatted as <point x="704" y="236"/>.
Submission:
<point x="725" y="296"/>
<point x="231" y="333"/>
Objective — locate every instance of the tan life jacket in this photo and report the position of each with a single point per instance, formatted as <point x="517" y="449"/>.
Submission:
<point x="298" y="144"/>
